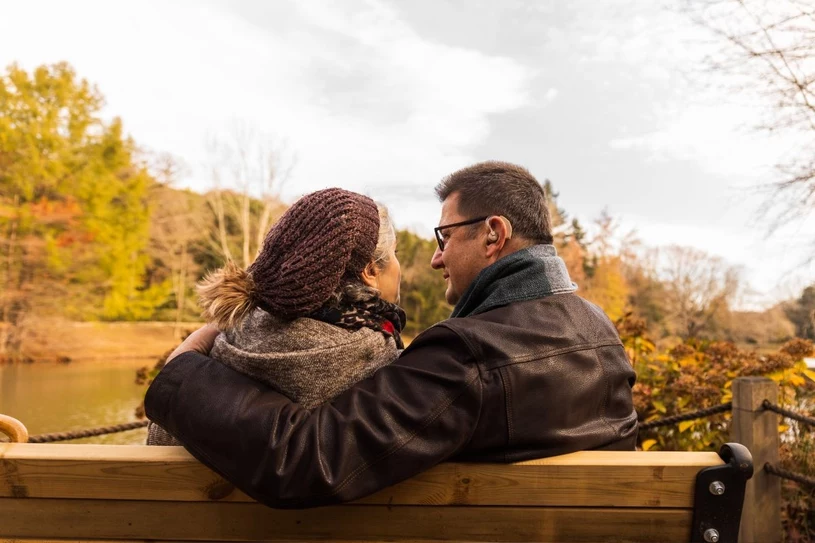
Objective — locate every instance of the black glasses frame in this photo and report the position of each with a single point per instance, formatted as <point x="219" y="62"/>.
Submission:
<point x="438" y="229"/>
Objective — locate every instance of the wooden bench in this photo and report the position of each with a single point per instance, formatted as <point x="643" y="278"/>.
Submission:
<point x="114" y="492"/>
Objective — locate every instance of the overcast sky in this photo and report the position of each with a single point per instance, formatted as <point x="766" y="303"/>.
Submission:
<point x="604" y="98"/>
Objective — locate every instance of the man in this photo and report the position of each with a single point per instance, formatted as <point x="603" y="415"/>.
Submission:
<point x="523" y="369"/>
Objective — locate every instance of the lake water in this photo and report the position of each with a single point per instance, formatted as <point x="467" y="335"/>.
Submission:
<point x="51" y="397"/>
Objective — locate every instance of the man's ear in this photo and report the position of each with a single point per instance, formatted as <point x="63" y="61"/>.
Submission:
<point x="370" y="275"/>
<point x="500" y="232"/>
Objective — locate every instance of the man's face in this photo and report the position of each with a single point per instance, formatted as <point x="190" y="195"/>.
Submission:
<point x="463" y="256"/>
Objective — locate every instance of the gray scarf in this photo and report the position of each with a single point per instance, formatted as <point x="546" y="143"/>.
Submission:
<point x="308" y="360"/>
<point x="528" y="274"/>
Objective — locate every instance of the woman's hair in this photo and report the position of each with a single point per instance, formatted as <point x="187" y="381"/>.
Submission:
<point x="226" y="295"/>
<point x="354" y="290"/>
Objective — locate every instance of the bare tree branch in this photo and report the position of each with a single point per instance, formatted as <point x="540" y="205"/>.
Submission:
<point x="768" y="46"/>
<point x="254" y="169"/>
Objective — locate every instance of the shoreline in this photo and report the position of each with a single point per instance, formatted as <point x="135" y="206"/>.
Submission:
<point x="66" y="342"/>
<point x="60" y="360"/>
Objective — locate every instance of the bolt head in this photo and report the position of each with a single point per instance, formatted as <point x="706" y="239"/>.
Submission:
<point x="716" y="488"/>
<point x="711" y="535"/>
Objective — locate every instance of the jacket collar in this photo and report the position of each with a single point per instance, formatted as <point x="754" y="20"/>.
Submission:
<point x="528" y="274"/>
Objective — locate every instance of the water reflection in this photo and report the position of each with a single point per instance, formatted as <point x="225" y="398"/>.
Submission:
<point x="51" y="397"/>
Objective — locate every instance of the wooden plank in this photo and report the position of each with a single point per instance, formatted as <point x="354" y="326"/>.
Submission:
<point x="47" y="518"/>
<point x="86" y="540"/>
<point x="38" y="540"/>
<point x="65" y="451"/>
<point x="594" y="478"/>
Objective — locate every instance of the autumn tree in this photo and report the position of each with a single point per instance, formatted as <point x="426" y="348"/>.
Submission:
<point x="770" y="326"/>
<point x="569" y="236"/>
<point x="73" y="215"/>
<point x="422" y="287"/>
<point x="178" y="218"/>
<point x="700" y="289"/>
<point x="802" y="313"/>
<point x="604" y="266"/>
<point x="647" y="290"/>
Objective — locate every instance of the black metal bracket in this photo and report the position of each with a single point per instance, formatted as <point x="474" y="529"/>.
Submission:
<point x="719" y="496"/>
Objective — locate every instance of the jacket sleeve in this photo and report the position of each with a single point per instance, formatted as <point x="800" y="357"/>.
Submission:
<point x="408" y="417"/>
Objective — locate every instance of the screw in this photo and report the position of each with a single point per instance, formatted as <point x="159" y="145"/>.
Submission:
<point x="716" y="488"/>
<point x="711" y="535"/>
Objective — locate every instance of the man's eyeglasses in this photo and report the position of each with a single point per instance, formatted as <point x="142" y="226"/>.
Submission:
<point x="438" y="229"/>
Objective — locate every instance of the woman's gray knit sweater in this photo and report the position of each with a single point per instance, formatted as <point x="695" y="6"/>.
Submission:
<point x="309" y="361"/>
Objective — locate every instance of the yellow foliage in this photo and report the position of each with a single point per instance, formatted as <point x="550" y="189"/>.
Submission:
<point x="607" y="287"/>
<point x="699" y="374"/>
<point x="685" y="425"/>
<point x="796" y="380"/>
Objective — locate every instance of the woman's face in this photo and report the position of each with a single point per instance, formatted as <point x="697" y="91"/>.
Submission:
<point x="385" y="279"/>
<point x="390" y="278"/>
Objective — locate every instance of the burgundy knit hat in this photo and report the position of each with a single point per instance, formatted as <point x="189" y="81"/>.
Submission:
<point x="325" y="237"/>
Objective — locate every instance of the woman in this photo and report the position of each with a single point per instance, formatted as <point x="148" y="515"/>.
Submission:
<point x="316" y="312"/>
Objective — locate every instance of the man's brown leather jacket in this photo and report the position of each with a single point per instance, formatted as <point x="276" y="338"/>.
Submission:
<point x="528" y="380"/>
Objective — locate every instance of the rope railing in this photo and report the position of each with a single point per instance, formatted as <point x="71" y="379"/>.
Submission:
<point x="781" y="472"/>
<point x="791" y="475"/>
<point x="79" y="434"/>
<point x="766" y="404"/>
<point x="700" y="414"/>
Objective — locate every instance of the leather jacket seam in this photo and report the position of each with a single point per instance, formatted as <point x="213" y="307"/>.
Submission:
<point x="507" y="404"/>
<point x="557" y="352"/>
<point x="471" y="352"/>
<point x="606" y="387"/>
<point x="462" y="337"/>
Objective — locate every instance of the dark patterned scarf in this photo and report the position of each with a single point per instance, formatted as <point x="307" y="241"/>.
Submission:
<point x="376" y="314"/>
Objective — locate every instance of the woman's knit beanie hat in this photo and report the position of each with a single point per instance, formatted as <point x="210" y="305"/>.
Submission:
<point x="325" y="237"/>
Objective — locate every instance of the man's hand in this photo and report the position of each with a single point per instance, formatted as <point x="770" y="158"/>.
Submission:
<point x="200" y="341"/>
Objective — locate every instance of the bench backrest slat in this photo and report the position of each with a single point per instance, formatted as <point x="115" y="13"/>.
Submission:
<point x="138" y="492"/>
<point x="252" y="521"/>
<point x="586" y="479"/>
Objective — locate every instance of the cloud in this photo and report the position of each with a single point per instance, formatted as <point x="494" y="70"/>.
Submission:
<point x="391" y="105"/>
<point x="693" y="114"/>
<point x="720" y="137"/>
<point x="362" y="99"/>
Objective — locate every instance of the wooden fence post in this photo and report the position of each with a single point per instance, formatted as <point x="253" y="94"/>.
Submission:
<point x="757" y="429"/>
